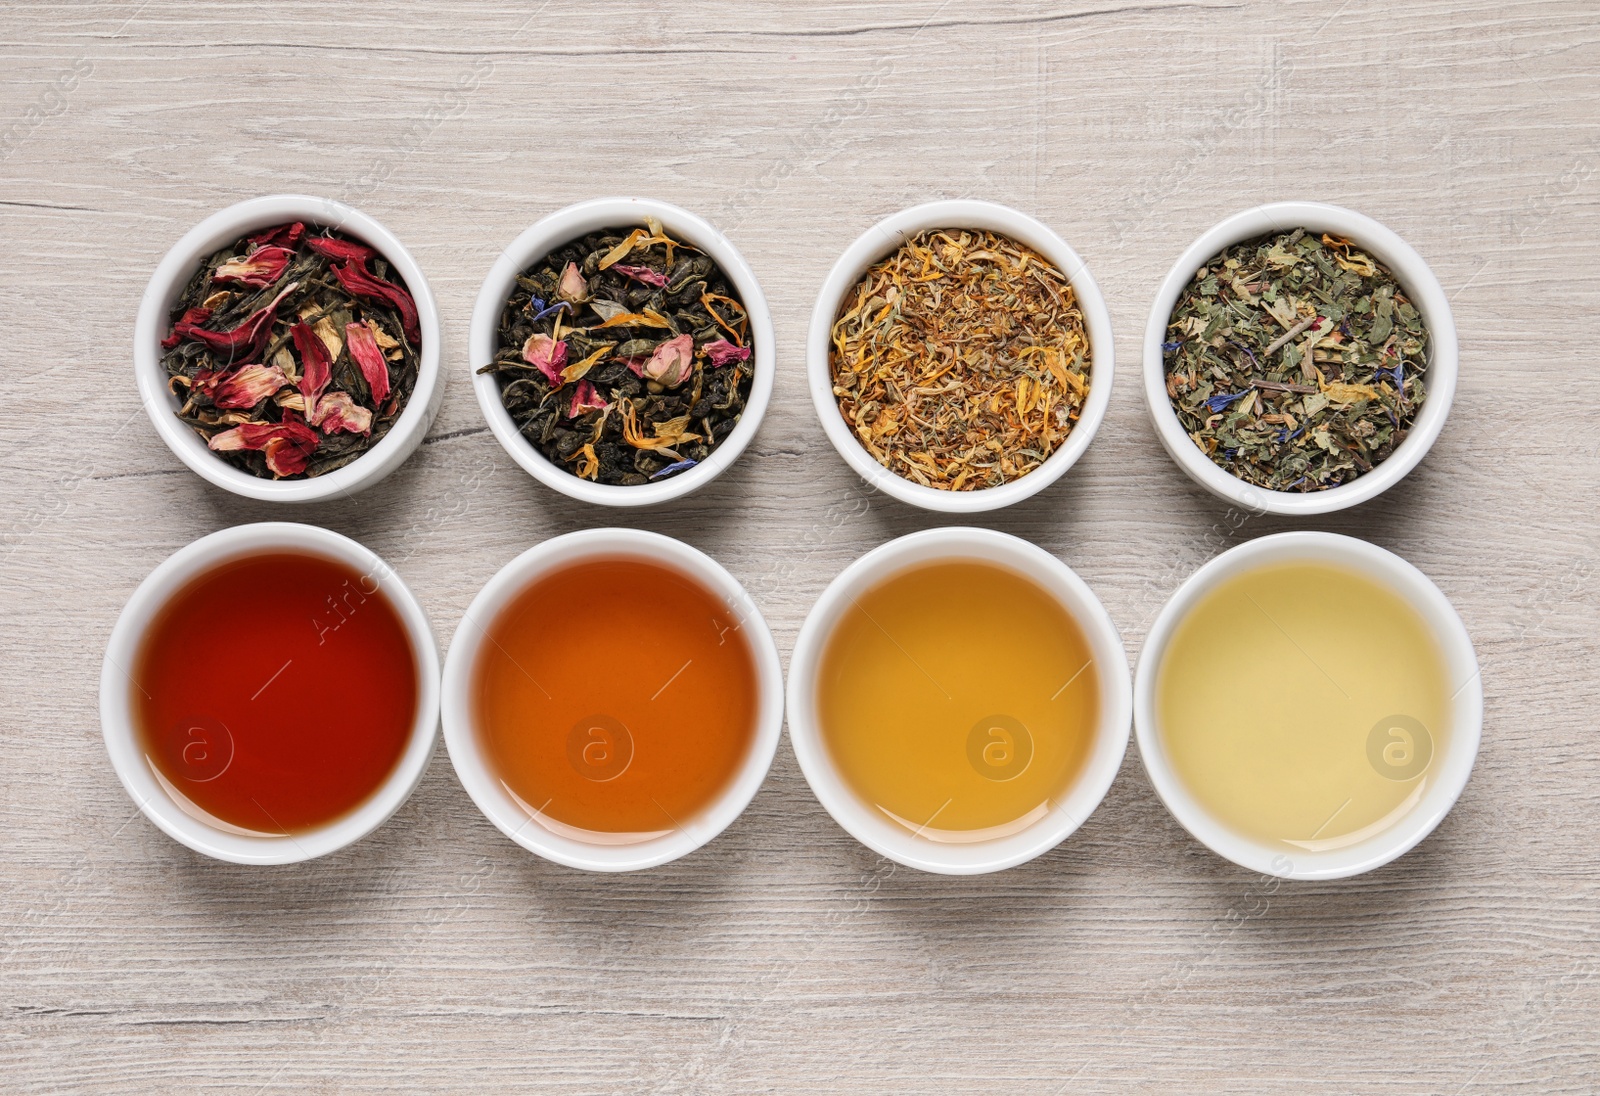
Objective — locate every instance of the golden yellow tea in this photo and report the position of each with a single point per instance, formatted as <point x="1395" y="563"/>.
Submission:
<point x="960" y="699"/>
<point x="616" y="698"/>
<point x="1304" y="703"/>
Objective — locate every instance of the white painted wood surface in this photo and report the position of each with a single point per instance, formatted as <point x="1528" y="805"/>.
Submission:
<point x="784" y="957"/>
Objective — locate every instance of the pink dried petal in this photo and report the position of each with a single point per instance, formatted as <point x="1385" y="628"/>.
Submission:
<point x="672" y="362"/>
<point x="546" y="355"/>
<point x="585" y="398"/>
<point x="337" y="411"/>
<point x="645" y="274"/>
<point x="363" y="346"/>
<point x="721" y="352"/>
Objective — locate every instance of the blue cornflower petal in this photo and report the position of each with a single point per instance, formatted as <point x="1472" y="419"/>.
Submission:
<point x="557" y="307"/>
<point x="1171" y="347"/>
<point x="1219" y="402"/>
<point x="671" y="468"/>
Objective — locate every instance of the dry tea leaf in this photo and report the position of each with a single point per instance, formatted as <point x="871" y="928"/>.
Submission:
<point x="961" y="361"/>
<point x="1296" y="362"/>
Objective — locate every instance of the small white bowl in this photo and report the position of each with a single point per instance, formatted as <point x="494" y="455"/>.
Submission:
<point x="1450" y="773"/>
<point x="172" y="277"/>
<point x="1421" y="287"/>
<point x="475" y="770"/>
<point x="866" y="823"/>
<point x="116" y="697"/>
<point x="884" y="238"/>
<point x="561" y="228"/>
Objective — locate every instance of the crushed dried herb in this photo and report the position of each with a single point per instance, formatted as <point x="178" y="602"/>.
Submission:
<point x="1296" y="362"/>
<point x="625" y="356"/>
<point x="961" y="360"/>
<point x="294" y="352"/>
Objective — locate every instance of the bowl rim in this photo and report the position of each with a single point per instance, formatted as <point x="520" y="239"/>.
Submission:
<point x="467" y="754"/>
<point x="1055" y="578"/>
<point x="559" y="228"/>
<point x="1409" y="269"/>
<point x="1455" y="645"/>
<point x="880" y="240"/>
<point x="116" y="701"/>
<point x="172" y="274"/>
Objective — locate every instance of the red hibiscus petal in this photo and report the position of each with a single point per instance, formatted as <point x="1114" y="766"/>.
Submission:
<point x="337" y="411"/>
<point x="193" y="317"/>
<point x="363" y="346"/>
<point x="259" y="269"/>
<point x="344" y="251"/>
<point x="358" y="281"/>
<point x="282" y="236"/>
<point x="244" y="341"/>
<point x="316" y="369"/>
<point x="243" y="387"/>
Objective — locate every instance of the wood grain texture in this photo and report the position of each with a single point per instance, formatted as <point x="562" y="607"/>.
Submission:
<point x="784" y="957"/>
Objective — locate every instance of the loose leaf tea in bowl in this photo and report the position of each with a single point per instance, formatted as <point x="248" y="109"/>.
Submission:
<point x="293" y="350"/>
<point x="1296" y="362"/>
<point x="625" y="356"/>
<point x="961" y="360"/>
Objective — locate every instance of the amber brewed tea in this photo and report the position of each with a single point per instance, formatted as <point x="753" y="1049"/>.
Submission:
<point x="615" y="699"/>
<point x="275" y="693"/>
<point x="960" y="699"/>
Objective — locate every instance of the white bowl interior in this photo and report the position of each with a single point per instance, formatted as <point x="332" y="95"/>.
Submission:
<point x="139" y="776"/>
<point x="1421" y="287"/>
<point x="172" y="276"/>
<point x="864" y="821"/>
<point x="1453" y="761"/>
<point x="884" y="238"/>
<point x="544" y="836"/>
<point x="561" y="228"/>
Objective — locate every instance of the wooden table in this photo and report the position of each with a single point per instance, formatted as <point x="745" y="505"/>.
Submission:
<point x="784" y="956"/>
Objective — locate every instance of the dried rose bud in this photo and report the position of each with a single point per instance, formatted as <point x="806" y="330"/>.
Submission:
<point x="257" y="270"/>
<point x="573" y="287"/>
<point x="672" y="362"/>
<point x="548" y="356"/>
<point x="363" y="347"/>
<point x="721" y="352"/>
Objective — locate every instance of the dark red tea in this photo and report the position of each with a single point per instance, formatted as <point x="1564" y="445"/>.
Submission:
<point x="276" y="692"/>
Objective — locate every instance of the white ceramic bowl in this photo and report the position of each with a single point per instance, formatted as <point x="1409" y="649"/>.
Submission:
<point x="1420" y="285"/>
<point x="1450" y="771"/>
<point x="172" y="277"/>
<point x="884" y="238"/>
<point x="561" y="228"/>
<point x="546" y="837"/>
<point x="866" y="823"/>
<point x="116" y="697"/>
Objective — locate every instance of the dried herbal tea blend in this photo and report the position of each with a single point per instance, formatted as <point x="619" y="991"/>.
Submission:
<point x="625" y="356"/>
<point x="1295" y="362"/>
<point x="294" y="351"/>
<point x="961" y="360"/>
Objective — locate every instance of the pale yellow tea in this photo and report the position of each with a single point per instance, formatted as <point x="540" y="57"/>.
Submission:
<point x="960" y="699"/>
<point x="1304" y="703"/>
